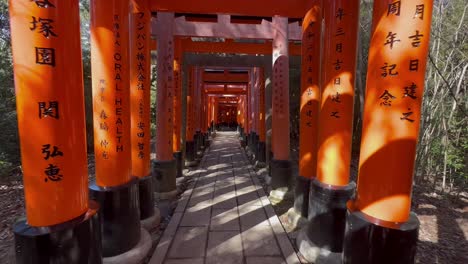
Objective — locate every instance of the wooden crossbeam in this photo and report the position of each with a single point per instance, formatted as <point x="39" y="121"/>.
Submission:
<point x="236" y="92"/>
<point x="223" y="28"/>
<point x="225" y="78"/>
<point x="229" y="46"/>
<point x="265" y="8"/>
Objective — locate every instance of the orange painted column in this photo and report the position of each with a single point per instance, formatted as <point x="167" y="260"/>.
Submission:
<point x="111" y="104"/>
<point x="197" y="106"/>
<point x="309" y="105"/>
<point x="262" y="119"/>
<point x="45" y="38"/>
<point x="330" y="190"/>
<point x="140" y="103"/>
<point x="280" y="167"/>
<point x="190" y="131"/>
<point x="392" y="112"/>
<point x="50" y="103"/>
<point x="216" y="110"/>
<point x="338" y="78"/>
<point x="176" y="145"/>
<point x="177" y="132"/>
<point x="250" y="112"/>
<point x="165" y="165"/>
<point x="110" y="65"/>
<point x="140" y="87"/>
<point x="190" y="147"/>
<point x="395" y="86"/>
<point x="165" y="91"/>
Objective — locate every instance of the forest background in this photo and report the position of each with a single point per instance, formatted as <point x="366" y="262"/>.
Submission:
<point x="442" y="159"/>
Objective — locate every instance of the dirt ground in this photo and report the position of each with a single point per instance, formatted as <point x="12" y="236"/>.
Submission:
<point x="443" y="235"/>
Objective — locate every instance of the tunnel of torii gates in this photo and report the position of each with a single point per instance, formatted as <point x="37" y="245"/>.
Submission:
<point x="199" y="90"/>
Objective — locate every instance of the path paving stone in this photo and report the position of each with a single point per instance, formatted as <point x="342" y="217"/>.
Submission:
<point x="224" y="216"/>
<point x="224" y="247"/>
<point x="260" y="241"/>
<point x="225" y="220"/>
<point x="189" y="242"/>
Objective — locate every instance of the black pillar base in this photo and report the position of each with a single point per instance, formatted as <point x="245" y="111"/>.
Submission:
<point x="190" y="154"/>
<point x="301" y="196"/>
<point x="146" y="193"/>
<point x="261" y="152"/>
<point x="165" y="178"/>
<point x="366" y="242"/>
<point x="202" y="141"/>
<point x="77" y="241"/>
<point x="280" y="174"/>
<point x="207" y="140"/>
<point x="120" y="216"/>
<point x="197" y="141"/>
<point x="255" y="146"/>
<point x="327" y="220"/>
<point x="178" y="156"/>
<point x="243" y="141"/>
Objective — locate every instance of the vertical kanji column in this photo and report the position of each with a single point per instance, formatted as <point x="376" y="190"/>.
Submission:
<point x="331" y="189"/>
<point x="380" y="226"/>
<point x="261" y="119"/>
<point x="309" y="109"/>
<point x="176" y="139"/>
<point x="216" y="110"/>
<point x="255" y="88"/>
<point x="112" y="135"/>
<point x="45" y="37"/>
<point x="202" y="119"/>
<point x="165" y="164"/>
<point x="247" y="110"/>
<point x="280" y="165"/>
<point x="251" y="113"/>
<point x="190" y="151"/>
<point x="197" y="109"/>
<point x="140" y="68"/>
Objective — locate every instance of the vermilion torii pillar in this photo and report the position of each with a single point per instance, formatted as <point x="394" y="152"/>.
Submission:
<point x="380" y="227"/>
<point x="176" y="140"/>
<point x="140" y="68"/>
<point x="112" y="138"/>
<point x="331" y="189"/>
<point x="309" y="109"/>
<point x="280" y="166"/>
<point x="165" y="164"/>
<point x="197" y="111"/>
<point x="190" y="148"/>
<point x="255" y="115"/>
<point x="251" y="114"/>
<point x="50" y="103"/>
<point x="261" y="119"/>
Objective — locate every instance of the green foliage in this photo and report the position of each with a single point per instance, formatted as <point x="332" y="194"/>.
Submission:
<point x="9" y="147"/>
<point x="443" y="145"/>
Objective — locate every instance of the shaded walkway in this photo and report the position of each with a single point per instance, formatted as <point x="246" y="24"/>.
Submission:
<point x="224" y="216"/>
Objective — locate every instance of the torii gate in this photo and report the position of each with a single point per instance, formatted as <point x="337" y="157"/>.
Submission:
<point x="48" y="80"/>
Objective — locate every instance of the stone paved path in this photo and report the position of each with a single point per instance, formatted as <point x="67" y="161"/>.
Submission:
<point x="224" y="216"/>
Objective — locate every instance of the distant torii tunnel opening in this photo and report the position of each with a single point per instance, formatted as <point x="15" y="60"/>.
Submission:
<point x="220" y="65"/>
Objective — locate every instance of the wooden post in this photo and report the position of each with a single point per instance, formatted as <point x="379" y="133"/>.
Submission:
<point x="177" y="124"/>
<point x="261" y="119"/>
<point x="190" y="151"/>
<point x="112" y="138"/>
<point x="330" y="191"/>
<point x="280" y="167"/>
<point x="140" y="72"/>
<point x="392" y="112"/>
<point x="165" y="164"/>
<point x="45" y="40"/>
<point x="309" y="105"/>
